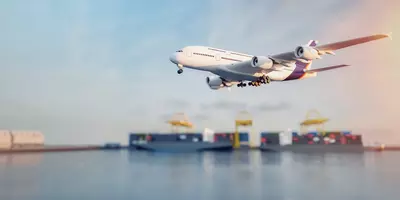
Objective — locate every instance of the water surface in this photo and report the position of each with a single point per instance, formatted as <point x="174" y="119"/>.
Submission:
<point x="204" y="176"/>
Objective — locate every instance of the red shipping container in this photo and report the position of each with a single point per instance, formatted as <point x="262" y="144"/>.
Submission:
<point x="343" y="140"/>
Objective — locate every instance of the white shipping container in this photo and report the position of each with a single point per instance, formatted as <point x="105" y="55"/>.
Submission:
<point x="5" y="139"/>
<point x="285" y="138"/>
<point x="27" y="138"/>
<point x="208" y="135"/>
<point x="254" y="139"/>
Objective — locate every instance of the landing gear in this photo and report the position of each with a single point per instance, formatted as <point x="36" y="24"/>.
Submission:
<point x="262" y="80"/>
<point x="265" y="79"/>
<point x="255" y="83"/>
<point x="241" y="84"/>
<point x="180" y="71"/>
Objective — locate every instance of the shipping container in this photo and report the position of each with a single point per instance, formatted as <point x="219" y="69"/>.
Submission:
<point x="313" y="133"/>
<point x="346" y="132"/>
<point x="164" y="137"/>
<point x="5" y="139"/>
<point x="190" y="137"/>
<point x="354" y="139"/>
<point x="331" y="139"/>
<point x="27" y="138"/>
<point x="300" y="139"/>
<point x="316" y="140"/>
<point x="271" y="138"/>
<point x="243" y="137"/>
<point x="286" y="138"/>
<point x="136" y="138"/>
<point x="208" y="135"/>
<point x="223" y="137"/>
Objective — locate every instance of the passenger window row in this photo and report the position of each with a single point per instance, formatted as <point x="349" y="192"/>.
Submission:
<point x="202" y="54"/>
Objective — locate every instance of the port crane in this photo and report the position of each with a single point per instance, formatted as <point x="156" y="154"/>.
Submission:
<point x="180" y="120"/>
<point x="313" y="118"/>
<point x="245" y="119"/>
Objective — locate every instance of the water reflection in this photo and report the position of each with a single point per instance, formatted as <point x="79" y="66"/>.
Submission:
<point x="17" y="171"/>
<point x="20" y="159"/>
<point x="217" y="159"/>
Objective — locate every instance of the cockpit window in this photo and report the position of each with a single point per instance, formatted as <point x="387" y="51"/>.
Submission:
<point x="179" y="51"/>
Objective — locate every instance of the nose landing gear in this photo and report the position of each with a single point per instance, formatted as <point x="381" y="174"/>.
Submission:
<point x="180" y="70"/>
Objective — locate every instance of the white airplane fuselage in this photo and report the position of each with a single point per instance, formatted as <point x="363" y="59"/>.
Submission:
<point x="219" y="62"/>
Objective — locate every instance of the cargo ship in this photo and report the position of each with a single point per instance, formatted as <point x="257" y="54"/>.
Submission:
<point x="312" y="142"/>
<point x="183" y="142"/>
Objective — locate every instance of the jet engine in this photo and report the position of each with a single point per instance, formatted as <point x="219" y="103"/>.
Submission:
<point x="262" y="62"/>
<point x="306" y="53"/>
<point x="215" y="82"/>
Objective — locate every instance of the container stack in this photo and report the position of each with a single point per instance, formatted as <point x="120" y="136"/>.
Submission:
<point x="223" y="137"/>
<point x="270" y="138"/>
<point x="5" y="139"/>
<point x="20" y="139"/>
<point x="138" y="138"/>
<point x="328" y="138"/>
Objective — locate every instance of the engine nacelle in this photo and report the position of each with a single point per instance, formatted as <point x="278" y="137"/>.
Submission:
<point x="306" y="53"/>
<point x="215" y="82"/>
<point x="262" y="62"/>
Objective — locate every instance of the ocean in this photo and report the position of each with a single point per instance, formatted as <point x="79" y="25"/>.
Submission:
<point x="204" y="176"/>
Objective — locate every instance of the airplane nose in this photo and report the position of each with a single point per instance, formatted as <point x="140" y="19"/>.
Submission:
<point x="173" y="59"/>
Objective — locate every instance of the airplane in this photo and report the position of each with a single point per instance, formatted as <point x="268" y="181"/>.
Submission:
<point x="231" y="68"/>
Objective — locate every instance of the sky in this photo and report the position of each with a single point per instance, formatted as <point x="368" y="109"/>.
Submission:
<point x="89" y="72"/>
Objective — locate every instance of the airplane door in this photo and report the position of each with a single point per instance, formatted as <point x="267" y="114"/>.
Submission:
<point x="188" y="53"/>
<point x="217" y="57"/>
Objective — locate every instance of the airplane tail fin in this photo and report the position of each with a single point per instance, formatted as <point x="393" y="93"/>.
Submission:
<point x="312" y="43"/>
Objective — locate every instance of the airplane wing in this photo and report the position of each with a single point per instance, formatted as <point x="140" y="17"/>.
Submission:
<point x="290" y="57"/>
<point x="325" y="68"/>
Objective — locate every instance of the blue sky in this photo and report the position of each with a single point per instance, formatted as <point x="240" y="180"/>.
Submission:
<point x="92" y="71"/>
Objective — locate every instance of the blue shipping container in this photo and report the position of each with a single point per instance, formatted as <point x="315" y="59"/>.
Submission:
<point x="190" y="137"/>
<point x="313" y="133"/>
<point x="137" y="136"/>
<point x="346" y="132"/>
<point x="164" y="137"/>
<point x="243" y="137"/>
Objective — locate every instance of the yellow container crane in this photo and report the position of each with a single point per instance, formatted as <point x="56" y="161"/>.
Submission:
<point x="313" y="118"/>
<point x="242" y="119"/>
<point x="180" y="120"/>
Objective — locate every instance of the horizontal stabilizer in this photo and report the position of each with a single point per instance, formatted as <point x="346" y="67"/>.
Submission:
<point x="325" y="68"/>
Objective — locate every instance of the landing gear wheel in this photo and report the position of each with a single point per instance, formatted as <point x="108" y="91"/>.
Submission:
<point x="180" y="71"/>
<point x="268" y="80"/>
<point x="241" y="84"/>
